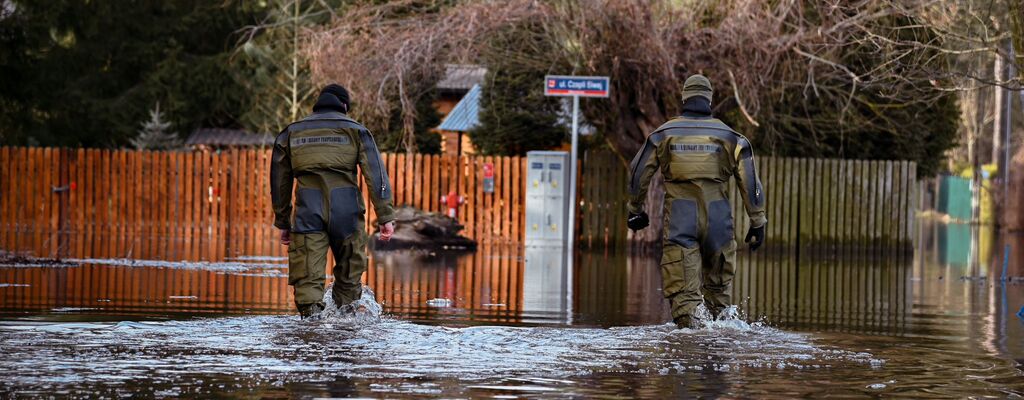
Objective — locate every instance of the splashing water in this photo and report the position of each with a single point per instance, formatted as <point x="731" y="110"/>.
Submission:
<point x="729" y="318"/>
<point x="364" y="311"/>
<point x="86" y="349"/>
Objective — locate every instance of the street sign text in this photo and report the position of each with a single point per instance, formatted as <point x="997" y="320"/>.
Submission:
<point x="583" y="86"/>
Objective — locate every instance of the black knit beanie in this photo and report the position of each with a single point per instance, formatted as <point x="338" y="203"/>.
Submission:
<point x="338" y="91"/>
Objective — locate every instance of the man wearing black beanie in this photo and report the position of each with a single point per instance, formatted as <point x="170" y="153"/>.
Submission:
<point x="340" y="94"/>
<point x="321" y="152"/>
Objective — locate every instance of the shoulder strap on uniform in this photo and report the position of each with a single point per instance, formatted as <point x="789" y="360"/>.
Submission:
<point x="331" y="115"/>
<point x="691" y="123"/>
<point x="326" y="117"/>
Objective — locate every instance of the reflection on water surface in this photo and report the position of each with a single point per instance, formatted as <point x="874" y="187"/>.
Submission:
<point x="495" y="324"/>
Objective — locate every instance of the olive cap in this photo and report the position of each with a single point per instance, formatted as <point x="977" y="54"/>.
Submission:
<point x="697" y="85"/>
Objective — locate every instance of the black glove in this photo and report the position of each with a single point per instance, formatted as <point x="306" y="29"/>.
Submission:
<point x="637" y="221"/>
<point x="758" y="235"/>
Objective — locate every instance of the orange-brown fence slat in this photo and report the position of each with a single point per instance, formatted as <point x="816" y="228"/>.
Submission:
<point x="89" y="192"/>
<point x="146" y="207"/>
<point x="101" y="211"/>
<point x="99" y="195"/>
<point x="21" y="196"/>
<point x="30" y="203"/>
<point x="262" y="215"/>
<point x="178" y="182"/>
<point x="115" y="193"/>
<point x="139" y="187"/>
<point x="179" y="205"/>
<point x="417" y="176"/>
<point x="34" y="203"/>
<point x="239" y="197"/>
<point x="212" y="194"/>
<point x="156" y="197"/>
<point x="5" y="193"/>
<point x="409" y="173"/>
<point x="167" y="199"/>
<point x="143" y="188"/>
<point x="17" y="196"/>
<point x="125" y="182"/>
<point x="225" y="206"/>
<point x="442" y="183"/>
<point x="104" y="204"/>
<point x="217" y="199"/>
<point x="39" y="201"/>
<point x="24" y="207"/>
<point x="237" y="216"/>
<point x="114" y="196"/>
<point x="54" y="193"/>
<point x="245" y="177"/>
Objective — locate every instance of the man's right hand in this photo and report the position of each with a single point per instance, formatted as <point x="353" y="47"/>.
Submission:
<point x="755" y="237"/>
<point x="386" y="231"/>
<point x="286" y="237"/>
<point x="637" y="221"/>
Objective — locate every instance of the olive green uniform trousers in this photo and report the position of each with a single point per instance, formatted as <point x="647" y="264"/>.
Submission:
<point x="699" y="252"/>
<point x="307" y="260"/>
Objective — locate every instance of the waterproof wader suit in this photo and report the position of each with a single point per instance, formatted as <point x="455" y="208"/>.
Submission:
<point x="697" y="155"/>
<point x="321" y="153"/>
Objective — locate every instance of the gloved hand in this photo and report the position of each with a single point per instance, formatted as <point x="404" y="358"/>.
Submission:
<point x="758" y="235"/>
<point x="637" y="221"/>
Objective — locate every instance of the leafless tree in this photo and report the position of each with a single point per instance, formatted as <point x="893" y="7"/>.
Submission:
<point x="862" y="60"/>
<point x="755" y="51"/>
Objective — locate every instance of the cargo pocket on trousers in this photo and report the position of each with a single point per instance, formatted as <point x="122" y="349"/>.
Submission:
<point x="682" y="224"/>
<point x="345" y="211"/>
<point x="309" y="211"/>
<point x="720" y="229"/>
<point x="297" y="269"/>
<point x="672" y="279"/>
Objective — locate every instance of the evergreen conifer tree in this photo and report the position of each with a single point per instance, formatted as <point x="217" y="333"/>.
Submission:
<point x="156" y="134"/>
<point x="515" y="116"/>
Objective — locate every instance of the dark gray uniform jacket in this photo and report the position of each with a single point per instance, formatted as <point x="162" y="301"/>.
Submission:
<point x="323" y="153"/>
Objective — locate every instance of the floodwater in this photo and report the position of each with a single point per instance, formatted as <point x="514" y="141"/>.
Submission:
<point x="499" y="323"/>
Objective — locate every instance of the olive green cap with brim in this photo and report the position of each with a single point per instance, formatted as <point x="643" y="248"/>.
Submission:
<point x="697" y="85"/>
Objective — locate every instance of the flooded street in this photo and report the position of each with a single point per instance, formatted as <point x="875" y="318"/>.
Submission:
<point x="496" y="323"/>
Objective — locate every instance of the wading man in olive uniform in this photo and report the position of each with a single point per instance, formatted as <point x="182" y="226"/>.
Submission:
<point x="321" y="153"/>
<point x="697" y="154"/>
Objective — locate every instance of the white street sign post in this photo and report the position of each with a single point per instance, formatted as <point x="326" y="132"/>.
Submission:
<point x="575" y="86"/>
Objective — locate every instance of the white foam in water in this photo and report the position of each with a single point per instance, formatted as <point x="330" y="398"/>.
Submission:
<point x="729" y="318"/>
<point x="186" y="265"/>
<point x="365" y="310"/>
<point x="266" y="347"/>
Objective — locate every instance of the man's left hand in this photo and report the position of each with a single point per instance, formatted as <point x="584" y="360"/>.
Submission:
<point x="637" y="221"/>
<point x="386" y="231"/>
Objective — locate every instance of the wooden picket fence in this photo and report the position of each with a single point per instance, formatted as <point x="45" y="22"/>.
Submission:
<point x="814" y="206"/>
<point x="819" y="205"/>
<point x="91" y="203"/>
<point x="603" y="194"/>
